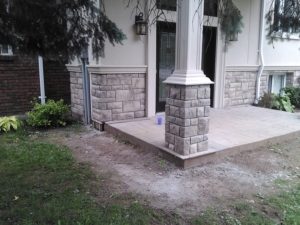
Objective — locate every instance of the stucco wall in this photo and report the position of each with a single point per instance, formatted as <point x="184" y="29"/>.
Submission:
<point x="133" y="50"/>
<point x="245" y="51"/>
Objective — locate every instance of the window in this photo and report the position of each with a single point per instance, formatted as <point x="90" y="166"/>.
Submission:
<point x="286" y="16"/>
<point x="211" y="8"/>
<point x="5" y="50"/>
<point x="167" y="4"/>
<point x="276" y="83"/>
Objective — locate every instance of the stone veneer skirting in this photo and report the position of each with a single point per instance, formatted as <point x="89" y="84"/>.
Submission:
<point x="187" y="118"/>
<point x="113" y="96"/>
<point x="240" y="87"/>
<point x="118" y="96"/>
<point x="76" y="83"/>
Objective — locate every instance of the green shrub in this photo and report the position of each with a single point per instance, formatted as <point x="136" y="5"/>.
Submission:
<point x="294" y="95"/>
<point x="51" y="114"/>
<point x="267" y="101"/>
<point x="8" y="123"/>
<point x="281" y="102"/>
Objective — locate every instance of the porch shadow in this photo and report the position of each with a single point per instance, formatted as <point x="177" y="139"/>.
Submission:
<point x="232" y="130"/>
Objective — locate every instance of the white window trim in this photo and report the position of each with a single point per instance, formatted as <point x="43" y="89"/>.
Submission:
<point x="9" y="53"/>
<point x="284" y="81"/>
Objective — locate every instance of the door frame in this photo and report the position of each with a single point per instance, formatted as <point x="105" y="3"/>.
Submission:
<point x="151" y="58"/>
<point x="160" y="107"/>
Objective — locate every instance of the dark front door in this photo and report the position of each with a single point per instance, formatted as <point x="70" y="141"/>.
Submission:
<point x="166" y="42"/>
<point x="209" y="56"/>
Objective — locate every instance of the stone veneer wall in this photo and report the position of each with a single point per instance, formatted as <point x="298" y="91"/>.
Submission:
<point x="240" y="87"/>
<point x="76" y="82"/>
<point x="118" y="96"/>
<point x="296" y="78"/>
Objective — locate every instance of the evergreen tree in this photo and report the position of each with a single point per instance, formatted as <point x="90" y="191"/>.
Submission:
<point x="57" y="29"/>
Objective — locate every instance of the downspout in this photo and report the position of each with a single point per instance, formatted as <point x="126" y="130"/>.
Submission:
<point x="42" y="80"/>
<point x="86" y="87"/>
<point x="260" y="51"/>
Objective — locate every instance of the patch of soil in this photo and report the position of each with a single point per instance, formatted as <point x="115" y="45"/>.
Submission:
<point x="126" y="169"/>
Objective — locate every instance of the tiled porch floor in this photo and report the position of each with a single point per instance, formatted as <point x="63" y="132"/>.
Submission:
<point x="236" y="129"/>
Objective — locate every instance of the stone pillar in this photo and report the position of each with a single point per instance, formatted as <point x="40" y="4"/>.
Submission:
<point x="188" y="89"/>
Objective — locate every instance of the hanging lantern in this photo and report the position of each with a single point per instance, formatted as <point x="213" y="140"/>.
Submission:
<point x="233" y="36"/>
<point x="141" y="25"/>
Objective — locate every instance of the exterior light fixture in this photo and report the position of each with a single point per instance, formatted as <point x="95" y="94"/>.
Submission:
<point x="141" y="26"/>
<point x="233" y="37"/>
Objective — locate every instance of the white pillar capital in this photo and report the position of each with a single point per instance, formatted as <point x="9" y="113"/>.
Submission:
<point x="189" y="33"/>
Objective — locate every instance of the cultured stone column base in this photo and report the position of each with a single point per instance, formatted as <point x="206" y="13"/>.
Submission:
<point x="187" y="118"/>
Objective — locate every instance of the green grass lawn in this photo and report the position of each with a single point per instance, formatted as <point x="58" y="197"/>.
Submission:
<point x="40" y="183"/>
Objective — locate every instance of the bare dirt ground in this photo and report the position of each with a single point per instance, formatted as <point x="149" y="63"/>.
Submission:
<point x="126" y="169"/>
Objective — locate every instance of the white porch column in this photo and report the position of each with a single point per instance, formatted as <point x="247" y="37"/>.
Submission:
<point x="188" y="89"/>
<point x="189" y="32"/>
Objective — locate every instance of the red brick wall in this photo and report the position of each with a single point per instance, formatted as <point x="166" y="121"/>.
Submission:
<point x="19" y="83"/>
<point x="57" y="82"/>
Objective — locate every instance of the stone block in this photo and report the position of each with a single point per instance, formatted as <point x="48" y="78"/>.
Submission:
<point x="101" y="106"/>
<point x="114" y="105"/>
<point x="202" y="146"/>
<point x="170" y="138"/>
<point x="174" y="111"/>
<point x="194" y="122"/>
<point x="139" y="114"/>
<point x="103" y="115"/>
<point x="124" y="95"/>
<point x="203" y="125"/>
<point x="182" y="145"/>
<point x="131" y="106"/>
<point x="123" y="116"/>
<point x="172" y="119"/>
<point x="116" y="87"/>
<point x="106" y="100"/>
<point x="183" y="122"/>
<point x="104" y="88"/>
<point x="100" y="94"/>
<point x="197" y="139"/>
<point x="200" y="112"/>
<point x="188" y="113"/>
<point x="171" y="146"/>
<point x="189" y="93"/>
<point x="138" y="82"/>
<point x="204" y="92"/>
<point x="188" y="131"/>
<point x="204" y="102"/>
<point x="175" y="92"/>
<point x="167" y="110"/>
<point x="167" y="127"/>
<point x="193" y="149"/>
<point x="139" y="91"/>
<point x="110" y="94"/>
<point x="206" y="111"/>
<point x="139" y="96"/>
<point x="181" y="103"/>
<point x="174" y="129"/>
<point x="116" y="111"/>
